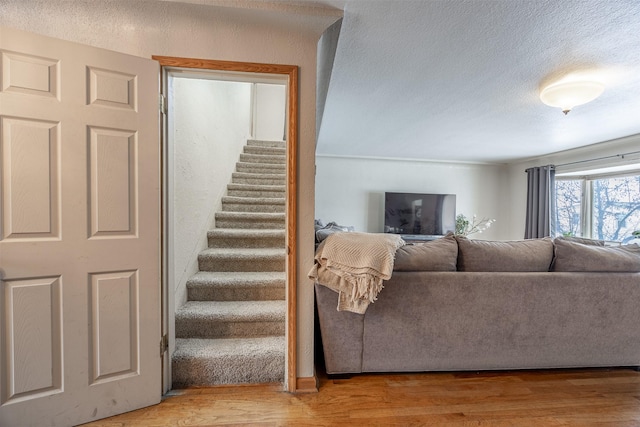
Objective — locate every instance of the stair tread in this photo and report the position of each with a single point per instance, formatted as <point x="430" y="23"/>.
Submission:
<point x="254" y="200"/>
<point x="264" y="156"/>
<point x="242" y="259"/>
<point x="257" y="187"/>
<point x="234" y="311"/>
<point x="266" y="141"/>
<point x="263" y="159"/>
<point x="231" y="278"/>
<point x="248" y="232"/>
<point x="251" y="215"/>
<point x="259" y="175"/>
<point x="230" y="347"/>
<point x="237" y="286"/>
<point x="250" y="165"/>
<point x="243" y="252"/>
<point x="214" y="361"/>
<point x="254" y="149"/>
<point x="258" y="180"/>
<point x="265" y="168"/>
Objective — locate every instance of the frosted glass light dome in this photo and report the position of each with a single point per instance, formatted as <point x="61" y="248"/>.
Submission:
<point x="566" y="95"/>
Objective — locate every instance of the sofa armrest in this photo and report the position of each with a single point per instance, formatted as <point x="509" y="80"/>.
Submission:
<point x="342" y="333"/>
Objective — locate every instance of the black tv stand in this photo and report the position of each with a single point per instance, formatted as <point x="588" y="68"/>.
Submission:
<point x="419" y="237"/>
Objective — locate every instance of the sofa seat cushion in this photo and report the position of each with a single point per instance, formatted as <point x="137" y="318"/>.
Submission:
<point x="435" y="255"/>
<point x="514" y="255"/>
<point x="574" y="256"/>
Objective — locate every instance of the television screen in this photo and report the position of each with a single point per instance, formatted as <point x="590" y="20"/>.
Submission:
<point x="419" y="214"/>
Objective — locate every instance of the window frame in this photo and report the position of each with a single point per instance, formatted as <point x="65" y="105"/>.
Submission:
<point x="586" y="198"/>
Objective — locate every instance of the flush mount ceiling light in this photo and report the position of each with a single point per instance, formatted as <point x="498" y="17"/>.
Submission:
<point x="566" y="95"/>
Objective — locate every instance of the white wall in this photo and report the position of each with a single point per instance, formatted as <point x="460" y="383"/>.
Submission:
<point x="607" y="152"/>
<point x="211" y="124"/>
<point x="326" y="54"/>
<point x="146" y="28"/>
<point x="270" y="108"/>
<point x="350" y="191"/>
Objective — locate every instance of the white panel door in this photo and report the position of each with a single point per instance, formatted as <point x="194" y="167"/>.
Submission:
<point x="79" y="232"/>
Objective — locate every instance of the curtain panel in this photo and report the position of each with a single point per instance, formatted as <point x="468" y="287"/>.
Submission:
<point x="541" y="202"/>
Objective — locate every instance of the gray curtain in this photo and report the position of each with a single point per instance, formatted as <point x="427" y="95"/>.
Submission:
<point x="541" y="202"/>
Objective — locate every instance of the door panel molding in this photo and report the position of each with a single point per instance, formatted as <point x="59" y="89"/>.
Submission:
<point x="27" y="374"/>
<point x="30" y="158"/>
<point x="73" y="350"/>
<point x="263" y="71"/>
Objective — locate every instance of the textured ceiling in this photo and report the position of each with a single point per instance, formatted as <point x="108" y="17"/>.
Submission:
<point x="459" y="80"/>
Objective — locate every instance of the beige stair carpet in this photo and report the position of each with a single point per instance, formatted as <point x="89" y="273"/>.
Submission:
<point x="231" y="330"/>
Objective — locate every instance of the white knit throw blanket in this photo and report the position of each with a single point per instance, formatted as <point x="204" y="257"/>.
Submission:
<point x="354" y="265"/>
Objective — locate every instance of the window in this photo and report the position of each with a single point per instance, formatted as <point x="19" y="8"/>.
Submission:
<point x="601" y="207"/>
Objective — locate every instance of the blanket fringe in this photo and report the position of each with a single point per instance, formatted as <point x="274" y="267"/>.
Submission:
<point x="355" y="265"/>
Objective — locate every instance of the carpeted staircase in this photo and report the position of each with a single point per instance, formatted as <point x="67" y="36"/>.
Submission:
<point x="231" y="330"/>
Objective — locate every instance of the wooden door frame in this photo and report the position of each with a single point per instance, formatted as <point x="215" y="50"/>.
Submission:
<point x="291" y="72"/>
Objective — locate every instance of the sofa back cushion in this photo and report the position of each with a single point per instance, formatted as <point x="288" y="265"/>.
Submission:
<point x="434" y="255"/>
<point x="514" y="255"/>
<point x="574" y="256"/>
<point x="583" y="240"/>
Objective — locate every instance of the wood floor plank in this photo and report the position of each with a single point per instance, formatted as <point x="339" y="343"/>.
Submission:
<point x="553" y="398"/>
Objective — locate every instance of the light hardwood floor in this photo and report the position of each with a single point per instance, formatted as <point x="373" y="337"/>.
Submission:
<point x="593" y="397"/>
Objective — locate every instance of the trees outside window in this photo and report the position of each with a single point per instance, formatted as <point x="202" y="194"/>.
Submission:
<point x="603" y="208"/>
<point x="569" y="207"/>
<point x="616" y="207"/>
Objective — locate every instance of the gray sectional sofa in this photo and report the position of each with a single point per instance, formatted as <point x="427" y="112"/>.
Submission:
<point x="456" y="304"/>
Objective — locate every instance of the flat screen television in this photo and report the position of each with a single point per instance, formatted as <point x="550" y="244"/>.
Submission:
<point x="419" y="214"/>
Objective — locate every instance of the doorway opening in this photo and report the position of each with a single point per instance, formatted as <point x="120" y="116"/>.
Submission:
<point x="241" y="79"/>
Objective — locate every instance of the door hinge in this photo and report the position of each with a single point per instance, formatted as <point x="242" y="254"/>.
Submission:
<point x="162" y="103"/>
<point x="164" y="344"/>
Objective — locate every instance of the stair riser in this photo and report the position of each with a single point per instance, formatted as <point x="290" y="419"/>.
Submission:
<point x="216" y="241"/>
<point x="212" y="263"/>
<point x="203" y="328"/>
<point x="260" y="168"/>
<point x="256" y="193"/>
<point x="241" y="207"/>
<point x="208" y="372"/>
<point x="253" y="225"/>
<point x="258" y="159"/>
<point x="258" y="181"/>
<point x="265" y="151"/>
<point x="237" y="293"/>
